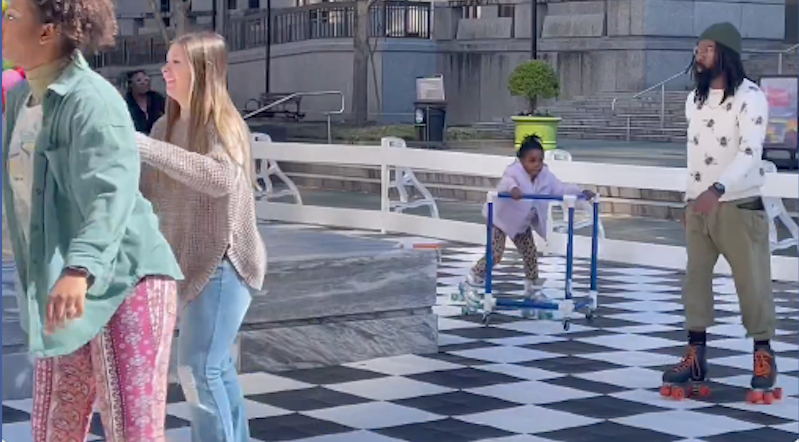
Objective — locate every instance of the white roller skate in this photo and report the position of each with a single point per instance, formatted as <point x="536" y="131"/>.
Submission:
<point x="470" y="291"/>
<point x="534" y="291"/>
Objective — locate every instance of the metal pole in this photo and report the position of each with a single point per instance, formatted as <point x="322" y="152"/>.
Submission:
<point x="779" y="63"/>
<point x="534" y="29"/>
<point x="213" y="17"/>
<point x="663" y="105"/>
<point x="268" y="45"/>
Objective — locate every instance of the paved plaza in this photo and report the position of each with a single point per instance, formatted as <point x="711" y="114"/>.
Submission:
<point x="522" y="380"/>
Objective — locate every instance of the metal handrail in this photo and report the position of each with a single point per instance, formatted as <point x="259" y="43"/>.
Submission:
<point x="306" y="94"/>
<point x="662" y="85"/>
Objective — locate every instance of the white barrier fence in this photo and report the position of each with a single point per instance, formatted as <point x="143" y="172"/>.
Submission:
<point x="778" y="185"/>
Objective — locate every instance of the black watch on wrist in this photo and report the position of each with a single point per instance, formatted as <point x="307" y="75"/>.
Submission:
<point x="718" y="188"/>
<point x="79" y="271"/>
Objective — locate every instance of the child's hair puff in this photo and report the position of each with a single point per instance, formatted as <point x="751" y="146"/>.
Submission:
<point x="529" y="143"/>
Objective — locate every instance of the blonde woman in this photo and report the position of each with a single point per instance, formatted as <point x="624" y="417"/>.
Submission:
<point x="200" y="181"/>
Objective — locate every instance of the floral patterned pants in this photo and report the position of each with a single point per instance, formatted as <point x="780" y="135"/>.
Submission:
<point x="525" y="245"/>
<point x="124" y="368"/>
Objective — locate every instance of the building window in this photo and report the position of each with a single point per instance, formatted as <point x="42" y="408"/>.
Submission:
<point x="471" y="11"/>
<point x="255" y="4"/>
<point x="164" y="5"/>
<point x="232" y="4"/>
<point x="506" y="11"/>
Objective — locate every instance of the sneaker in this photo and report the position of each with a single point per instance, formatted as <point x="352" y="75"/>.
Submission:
<point x="534" y="288"/>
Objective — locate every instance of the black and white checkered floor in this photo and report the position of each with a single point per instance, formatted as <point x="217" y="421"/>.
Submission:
<point x="528" y="381"/>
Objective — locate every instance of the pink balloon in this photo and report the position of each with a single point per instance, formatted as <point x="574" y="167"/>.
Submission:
<point x="10" y="79"/>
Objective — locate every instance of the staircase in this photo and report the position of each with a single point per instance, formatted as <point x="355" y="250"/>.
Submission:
<point x="593" y="118"/>
<point x="764" y="64"/>
<point x="639" y="119"/>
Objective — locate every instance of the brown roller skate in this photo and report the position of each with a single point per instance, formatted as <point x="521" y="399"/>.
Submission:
<point x="687" y="379"/>
<point x="764" y="378"/>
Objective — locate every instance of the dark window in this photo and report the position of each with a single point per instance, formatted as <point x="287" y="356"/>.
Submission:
<point x="164" y="5"/>
<point x="255" y="4"/>
<point x="506" y="11"/>
<point x="232" y="4"/>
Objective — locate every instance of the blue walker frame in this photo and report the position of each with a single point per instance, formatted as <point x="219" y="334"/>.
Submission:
<point x="567" y="306"/>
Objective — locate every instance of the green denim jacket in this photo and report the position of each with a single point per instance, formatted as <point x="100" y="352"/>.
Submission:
<point x="86" y="207"/>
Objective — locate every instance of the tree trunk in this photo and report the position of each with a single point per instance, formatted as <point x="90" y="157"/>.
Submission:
<point x="159" y="18"/>
<point x="181" y="15"/>
<point x="360" y="62"/>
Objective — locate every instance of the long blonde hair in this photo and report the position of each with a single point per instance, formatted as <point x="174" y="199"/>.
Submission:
<point x="213" y="118"/>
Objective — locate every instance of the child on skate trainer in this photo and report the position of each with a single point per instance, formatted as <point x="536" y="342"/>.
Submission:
<point x="518" y="217"/>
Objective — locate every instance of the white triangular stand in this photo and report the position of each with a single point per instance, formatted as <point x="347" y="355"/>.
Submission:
<point x="403" y="178"/>
<point x="272" y="169"/>
<point x="775" y="210"/>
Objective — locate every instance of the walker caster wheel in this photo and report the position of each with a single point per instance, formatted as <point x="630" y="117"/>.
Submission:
<point x="589" y="317"/>
<point x="566" y="324"/>
<point x="456" y="297"/>
<point x="486" y="320"/>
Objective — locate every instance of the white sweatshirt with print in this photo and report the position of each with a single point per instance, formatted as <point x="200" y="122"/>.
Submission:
<point x="725" y="142"/>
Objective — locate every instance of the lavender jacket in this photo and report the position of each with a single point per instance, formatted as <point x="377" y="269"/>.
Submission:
<point x="514" y="217"/>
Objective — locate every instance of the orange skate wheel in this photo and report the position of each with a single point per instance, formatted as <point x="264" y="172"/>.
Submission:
<point x="778" y="393"/>
<point x="754" y="397"/>
<point x="678" y="393"/>
<point x="665" y="390"/>
<point x="768" y="397"/>
<point x="704" y="391"/>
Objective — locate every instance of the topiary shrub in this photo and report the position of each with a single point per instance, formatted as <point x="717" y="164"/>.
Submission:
<point x="532" y="80"/>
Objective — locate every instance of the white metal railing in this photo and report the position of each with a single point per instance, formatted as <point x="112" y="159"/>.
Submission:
<point x="327" y="114"/>
<point x="780" y="55"/>
<point x="778" y="185"/>
<point x="662" y="86"/>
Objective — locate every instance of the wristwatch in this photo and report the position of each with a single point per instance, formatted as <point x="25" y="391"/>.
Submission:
<point x="718" y="188"/>
<point x="79" y="271"/>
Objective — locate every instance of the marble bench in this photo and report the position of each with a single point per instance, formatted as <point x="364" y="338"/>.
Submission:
<point x="333" y="299"/>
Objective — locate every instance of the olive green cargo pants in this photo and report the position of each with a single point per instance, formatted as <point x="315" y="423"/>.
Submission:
<point x="741" y="236"/>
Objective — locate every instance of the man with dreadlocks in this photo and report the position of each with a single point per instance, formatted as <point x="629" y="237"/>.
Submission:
<point x="727" y="116"/>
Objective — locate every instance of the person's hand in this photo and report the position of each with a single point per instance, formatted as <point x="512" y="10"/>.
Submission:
<point x="66" y="301"/>
<point x="516" y="194"/>
<point x="706" y="202"/>
<point x="587" y="194"/>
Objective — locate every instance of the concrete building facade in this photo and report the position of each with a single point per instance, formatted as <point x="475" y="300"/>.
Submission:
<point x="597" y="47"/>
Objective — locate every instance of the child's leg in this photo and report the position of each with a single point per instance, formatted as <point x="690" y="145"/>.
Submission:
<point x="497" y="249"/>
<point x="525" y="245"/>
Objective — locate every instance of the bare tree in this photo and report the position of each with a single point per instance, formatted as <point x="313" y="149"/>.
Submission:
<point x="181" y="14"/>
<point x="159" y="18"/>
<point x="360" y="61"/>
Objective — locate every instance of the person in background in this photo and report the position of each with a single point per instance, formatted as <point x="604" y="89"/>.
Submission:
<point x="727" y="118"/>
<point x="518" y="218"/>
<point x="98" y="298"/>
<point x="199" y="176"/>
<point x="146" y="106"/>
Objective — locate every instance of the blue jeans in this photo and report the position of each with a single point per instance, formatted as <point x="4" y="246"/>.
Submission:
<point x="208" y="328"/>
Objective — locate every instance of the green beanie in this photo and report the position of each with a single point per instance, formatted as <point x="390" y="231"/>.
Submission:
<point x="725" y="34"/>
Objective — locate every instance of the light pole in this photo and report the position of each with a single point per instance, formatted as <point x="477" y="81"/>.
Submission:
<point x="268" y="43"/>
<point x="534" y="29"/>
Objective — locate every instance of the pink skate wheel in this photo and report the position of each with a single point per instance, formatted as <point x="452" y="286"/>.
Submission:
<point x="665" y="391"/>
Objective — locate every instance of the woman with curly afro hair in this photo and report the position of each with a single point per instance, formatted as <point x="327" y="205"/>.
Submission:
<point x="98" y="279"/>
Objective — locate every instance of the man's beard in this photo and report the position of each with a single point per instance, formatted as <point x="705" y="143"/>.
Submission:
<point x="704" y="77"/>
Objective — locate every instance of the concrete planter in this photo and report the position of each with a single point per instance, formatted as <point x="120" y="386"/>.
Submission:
<point x="545" y="127"/>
